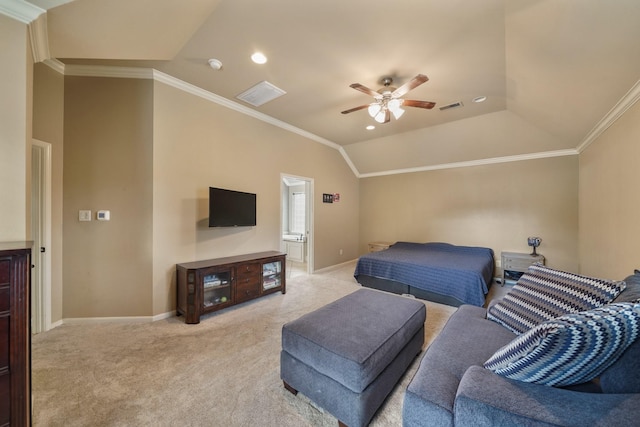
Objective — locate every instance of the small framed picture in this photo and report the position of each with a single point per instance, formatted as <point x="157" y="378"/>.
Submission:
<point x="336" y="197"/>
<point x="327" y="198"/>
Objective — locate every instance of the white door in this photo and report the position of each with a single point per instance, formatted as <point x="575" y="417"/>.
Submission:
<point x="41" y="234"/>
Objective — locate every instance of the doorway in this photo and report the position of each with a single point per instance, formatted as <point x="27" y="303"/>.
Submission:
<point x="41" y="235"/>
<point x="296" y="223"/>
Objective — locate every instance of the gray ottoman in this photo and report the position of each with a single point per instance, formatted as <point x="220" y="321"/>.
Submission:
<point x="348" y="355"/>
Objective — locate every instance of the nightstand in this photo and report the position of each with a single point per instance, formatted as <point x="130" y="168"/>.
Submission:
<point x="514" y="264"/>
<point x="378" y="246"/>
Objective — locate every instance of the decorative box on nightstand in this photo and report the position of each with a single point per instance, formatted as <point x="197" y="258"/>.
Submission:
<point x="378" y="246"/>
<point x="515" y="264"/>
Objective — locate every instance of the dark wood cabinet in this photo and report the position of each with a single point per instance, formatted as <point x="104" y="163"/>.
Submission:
<point x="15" y="334"/>
<point x="214" y="284"/>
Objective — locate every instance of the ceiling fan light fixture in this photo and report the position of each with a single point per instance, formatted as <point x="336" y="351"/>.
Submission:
<point x="394" y="104"/>
<point x="388" y="100"/>
<point x="374" y="109"/>
<point x="380" y="117"/>
<point x="397" y="113"/>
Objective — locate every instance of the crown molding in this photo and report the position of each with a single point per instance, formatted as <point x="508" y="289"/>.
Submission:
<point x="630" y="98"/>
<point x="480" y="162"/>
<point x="20" y="10"/>
<point x="55" y="65"/>
<point x="107" y="71"/>
<point x="39" y="38"/>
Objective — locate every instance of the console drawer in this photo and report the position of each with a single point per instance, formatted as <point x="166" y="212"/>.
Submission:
<point x="247" y="290"/>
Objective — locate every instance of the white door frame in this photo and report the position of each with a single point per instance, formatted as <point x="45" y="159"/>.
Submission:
<point x="41" y="234"/>
<point x="309" y="188"/>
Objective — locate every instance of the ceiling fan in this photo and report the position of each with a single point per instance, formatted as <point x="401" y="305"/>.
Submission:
<point x="388" y="101"/>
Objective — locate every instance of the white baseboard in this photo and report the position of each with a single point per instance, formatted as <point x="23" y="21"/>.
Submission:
<point x="334" y="267"/>
<point x="126" y="319"/>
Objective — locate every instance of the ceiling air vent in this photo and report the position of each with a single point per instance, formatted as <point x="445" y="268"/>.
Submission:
<point x="261" y="93"/>
<point x="452" y="105"/>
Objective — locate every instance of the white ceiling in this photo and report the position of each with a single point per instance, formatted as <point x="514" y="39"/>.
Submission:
<point x="551" y="69"/>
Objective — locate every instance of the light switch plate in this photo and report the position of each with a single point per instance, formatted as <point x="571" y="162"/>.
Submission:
<point x="84" y="215"/>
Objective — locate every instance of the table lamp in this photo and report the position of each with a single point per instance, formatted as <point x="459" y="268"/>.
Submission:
<point x="535" y="242"/>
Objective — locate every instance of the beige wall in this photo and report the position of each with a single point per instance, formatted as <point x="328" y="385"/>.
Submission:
<point x="198" y="144"/>
<point x="496" y="206"/>
<point x="48" y="117"/>
<point x="609" y="202"/>
<point x="108" y="148"/>
<point x="15" y="88"/>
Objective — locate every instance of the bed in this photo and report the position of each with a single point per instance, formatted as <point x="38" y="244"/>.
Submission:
<point x="439" y="272"/>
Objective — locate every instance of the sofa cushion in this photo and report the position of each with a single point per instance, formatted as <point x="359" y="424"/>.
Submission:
<point x="571" y="349"/>
<point x="467" y="339"/>
<point x="632" y="291"/>
<point x="624" y="375"/>
<point x="543" y="293"/>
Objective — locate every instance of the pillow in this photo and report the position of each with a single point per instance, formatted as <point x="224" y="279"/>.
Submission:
<point x="542" y="294"/>
<point x="571" y="349"/>
<point x="632" y="291"/>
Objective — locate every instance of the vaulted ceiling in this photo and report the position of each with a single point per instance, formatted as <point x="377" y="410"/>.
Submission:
<point x="554" y="72"/>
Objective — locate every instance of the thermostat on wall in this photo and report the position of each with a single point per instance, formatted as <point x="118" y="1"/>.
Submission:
<point x="103" y="215"/>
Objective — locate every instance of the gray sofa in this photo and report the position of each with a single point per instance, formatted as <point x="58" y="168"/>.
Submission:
<point x="451" y="386"/>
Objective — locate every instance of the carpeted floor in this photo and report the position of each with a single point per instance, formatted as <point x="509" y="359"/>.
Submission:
<point x="221" y="372"/>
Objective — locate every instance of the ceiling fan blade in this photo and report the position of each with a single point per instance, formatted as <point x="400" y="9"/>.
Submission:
<point x="351" y="110"/>
<point x="420" y="104"/>
<point x="364" y="89"/>
<point x="412" y="84"/>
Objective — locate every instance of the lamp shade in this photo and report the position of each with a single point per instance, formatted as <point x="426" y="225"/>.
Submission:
<point x="374" y="109"/>
<point x="397" y="113"/>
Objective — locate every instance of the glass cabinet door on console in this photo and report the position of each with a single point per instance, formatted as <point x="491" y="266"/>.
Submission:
<point x="216" y="289"/>
<point x="271" y="275"/>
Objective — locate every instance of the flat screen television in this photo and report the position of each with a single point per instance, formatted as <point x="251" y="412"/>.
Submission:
<point x="228" y="208"/>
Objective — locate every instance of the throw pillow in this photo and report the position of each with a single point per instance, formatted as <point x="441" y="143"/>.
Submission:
<point x="543" y="293"/>
<point x="571" y="349"/>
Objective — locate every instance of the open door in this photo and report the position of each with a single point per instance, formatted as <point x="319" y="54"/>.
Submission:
<point x="296" y="216"/>
<point x="41" y="235"/>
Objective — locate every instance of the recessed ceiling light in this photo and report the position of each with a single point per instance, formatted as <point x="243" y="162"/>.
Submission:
<point x="478" y="99"/>
<point x="370" y="127"/>
<point x="259" y="58"/>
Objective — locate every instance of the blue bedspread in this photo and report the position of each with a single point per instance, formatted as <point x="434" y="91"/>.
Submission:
<point x="461" y="272"/>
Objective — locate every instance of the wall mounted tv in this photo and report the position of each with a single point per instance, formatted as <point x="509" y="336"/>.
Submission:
<point x="228" y="208"/>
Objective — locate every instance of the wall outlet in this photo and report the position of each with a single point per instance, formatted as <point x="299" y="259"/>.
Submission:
<point x="84" y="215"/>
<point x="340" y="251"/>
